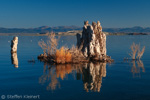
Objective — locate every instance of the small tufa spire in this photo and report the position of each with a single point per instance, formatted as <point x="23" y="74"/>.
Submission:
<point x="14" y="44"/>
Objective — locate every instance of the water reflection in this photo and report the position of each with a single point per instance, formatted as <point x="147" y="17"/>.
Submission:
<point x="136" y="68"/>
<point x="14" y="59"/>
<point x="49" y="76"/>
<point x="91" y="75"/>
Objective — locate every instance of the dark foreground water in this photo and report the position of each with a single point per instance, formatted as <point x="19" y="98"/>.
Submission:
<point x="20" y="79"/>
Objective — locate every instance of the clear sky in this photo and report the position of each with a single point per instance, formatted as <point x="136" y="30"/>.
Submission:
<point x="111" y="13"/>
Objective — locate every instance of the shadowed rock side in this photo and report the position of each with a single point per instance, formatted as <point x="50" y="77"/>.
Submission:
<point x="93" y="41"/>
<point x="90" y="73"/>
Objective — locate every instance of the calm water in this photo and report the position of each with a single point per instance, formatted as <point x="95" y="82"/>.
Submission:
<point x="117" y="81"/>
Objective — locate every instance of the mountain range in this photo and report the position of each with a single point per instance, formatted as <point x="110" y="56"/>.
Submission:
<point x="136" y="29"/>
<point x="45" y="29"/>
<point x="42" y="29"/>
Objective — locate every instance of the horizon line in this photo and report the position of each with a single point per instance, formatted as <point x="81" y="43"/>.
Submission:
<point x="64" y="26"/>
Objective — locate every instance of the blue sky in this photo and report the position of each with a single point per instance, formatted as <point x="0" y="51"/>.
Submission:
<point x="111" y="13"/>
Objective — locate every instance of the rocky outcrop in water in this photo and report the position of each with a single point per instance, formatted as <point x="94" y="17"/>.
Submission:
<point x="14" y="57"/>
<point x="93" y="41"/>
<point x="14" y="44"/>
<point x="91" y="46"/>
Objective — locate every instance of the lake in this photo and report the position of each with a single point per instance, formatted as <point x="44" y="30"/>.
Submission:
<point x="121" y="80"/>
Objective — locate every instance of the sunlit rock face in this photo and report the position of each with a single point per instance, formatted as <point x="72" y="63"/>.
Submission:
<point x="14" y="44"/>
<point x="92" y="41"/>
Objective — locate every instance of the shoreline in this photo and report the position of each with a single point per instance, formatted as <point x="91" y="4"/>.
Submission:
<point x="71" y="33"/>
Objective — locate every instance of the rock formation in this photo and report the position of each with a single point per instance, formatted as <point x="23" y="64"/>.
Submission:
<point x="93" y="41"/>
<point x="14" y="44"/>
<point x="14" y="57"/>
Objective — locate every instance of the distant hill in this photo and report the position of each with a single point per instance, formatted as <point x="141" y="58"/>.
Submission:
<point x="136" y="29"/>
<point x="42" y="29"/>
<point x="45" y="29"/>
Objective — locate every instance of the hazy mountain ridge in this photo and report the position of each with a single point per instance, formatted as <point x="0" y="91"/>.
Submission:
<point x="42" y="29"/>
<point x="45" y="29"/>
<point x="137" y="29"/>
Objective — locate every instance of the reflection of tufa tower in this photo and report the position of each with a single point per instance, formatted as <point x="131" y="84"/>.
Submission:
<point x="91" y="73"/>
<point x="14" y="59"/>
<point x="92" y="76"/>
